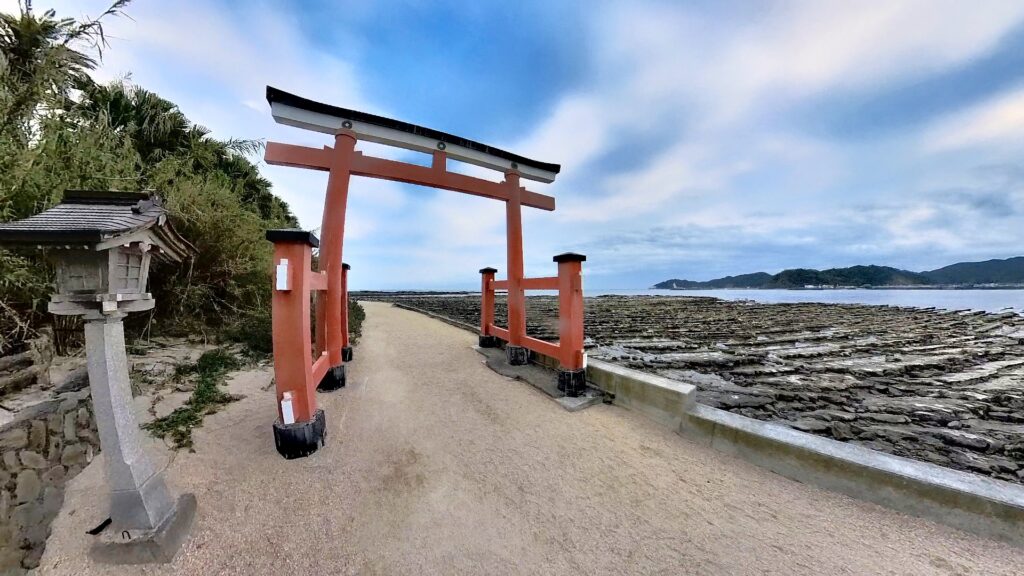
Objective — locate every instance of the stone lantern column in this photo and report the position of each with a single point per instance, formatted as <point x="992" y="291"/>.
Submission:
<point x="147" y="524"/>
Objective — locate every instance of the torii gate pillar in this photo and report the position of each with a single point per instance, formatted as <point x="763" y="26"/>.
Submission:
<point x="515" y="352"/>
<point x="332" y="236"/>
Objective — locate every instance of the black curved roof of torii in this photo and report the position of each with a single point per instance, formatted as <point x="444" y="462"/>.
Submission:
<point x="289" y="99"/>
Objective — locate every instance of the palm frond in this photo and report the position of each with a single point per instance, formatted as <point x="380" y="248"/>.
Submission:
<point x="92" y="29"/>
<point x="243" y="146"/>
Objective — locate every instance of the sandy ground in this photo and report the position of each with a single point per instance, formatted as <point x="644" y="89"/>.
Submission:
<point x="436" y="465"/>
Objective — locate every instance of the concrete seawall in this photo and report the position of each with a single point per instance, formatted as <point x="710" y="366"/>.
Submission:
<point x="990" y="508"/>
<point x="983" y="506"/>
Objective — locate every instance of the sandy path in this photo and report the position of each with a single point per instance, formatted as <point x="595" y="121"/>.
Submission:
<point x="434" y="464"/>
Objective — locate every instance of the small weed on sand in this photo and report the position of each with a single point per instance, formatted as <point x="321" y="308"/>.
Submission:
<point x="210" y="372"/>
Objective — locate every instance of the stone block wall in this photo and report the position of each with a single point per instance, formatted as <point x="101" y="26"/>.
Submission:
<point x="40" y="450"/>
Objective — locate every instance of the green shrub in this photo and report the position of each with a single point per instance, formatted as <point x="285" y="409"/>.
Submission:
<point x="356" y="316"/>
<point x="254" y="331"/>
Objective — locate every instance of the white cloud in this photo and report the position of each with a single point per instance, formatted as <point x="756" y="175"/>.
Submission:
<point x="998" y="120"/>
<point x="234" y="51"/>
<point x="573" y="134"/>
<point x="810" y="46"/>
<point x="770" y="56"/>
<point x="675" y="173"/>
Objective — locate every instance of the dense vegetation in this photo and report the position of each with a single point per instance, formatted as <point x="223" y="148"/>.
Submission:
<point x="1006" y="272"/>
<point x="61" y="130"/>
<point x="740" y="281"/>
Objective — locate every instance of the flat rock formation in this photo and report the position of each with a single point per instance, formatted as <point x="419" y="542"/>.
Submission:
<point x="941" y="386"/>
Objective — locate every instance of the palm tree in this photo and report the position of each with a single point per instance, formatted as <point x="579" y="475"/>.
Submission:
<point x="159" y="131"/>
<point x="155" y="126"/>
<point x="42" y="58"/>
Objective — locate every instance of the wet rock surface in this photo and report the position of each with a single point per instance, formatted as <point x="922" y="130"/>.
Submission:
<point x="945" y="387"/>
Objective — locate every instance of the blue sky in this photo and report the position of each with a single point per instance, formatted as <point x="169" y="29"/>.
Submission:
<point x="697" y="139"/>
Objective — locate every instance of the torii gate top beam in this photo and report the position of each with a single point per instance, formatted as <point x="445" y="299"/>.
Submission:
<point x="300" y="112"/>
<point x="436" y="175"/>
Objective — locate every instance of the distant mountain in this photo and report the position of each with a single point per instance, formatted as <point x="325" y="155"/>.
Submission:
<point x="1009" y="271"/>
<point x="852" y="276"/>
<point x="755" y="280"/>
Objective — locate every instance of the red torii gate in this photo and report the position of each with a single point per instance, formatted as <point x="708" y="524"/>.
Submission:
<point x="300" y="428"/>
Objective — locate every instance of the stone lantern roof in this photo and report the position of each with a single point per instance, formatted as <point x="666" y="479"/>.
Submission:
<point x="98" y="220"/>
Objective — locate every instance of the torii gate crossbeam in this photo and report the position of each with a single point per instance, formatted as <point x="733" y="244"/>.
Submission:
<point x="436" y="175"/>
<point x="300" y="428"/>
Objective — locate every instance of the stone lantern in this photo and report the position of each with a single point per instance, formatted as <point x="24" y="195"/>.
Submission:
<point x="102" y="244"/>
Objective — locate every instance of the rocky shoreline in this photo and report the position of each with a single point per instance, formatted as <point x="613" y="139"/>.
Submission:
<point x="939" y="386"/>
